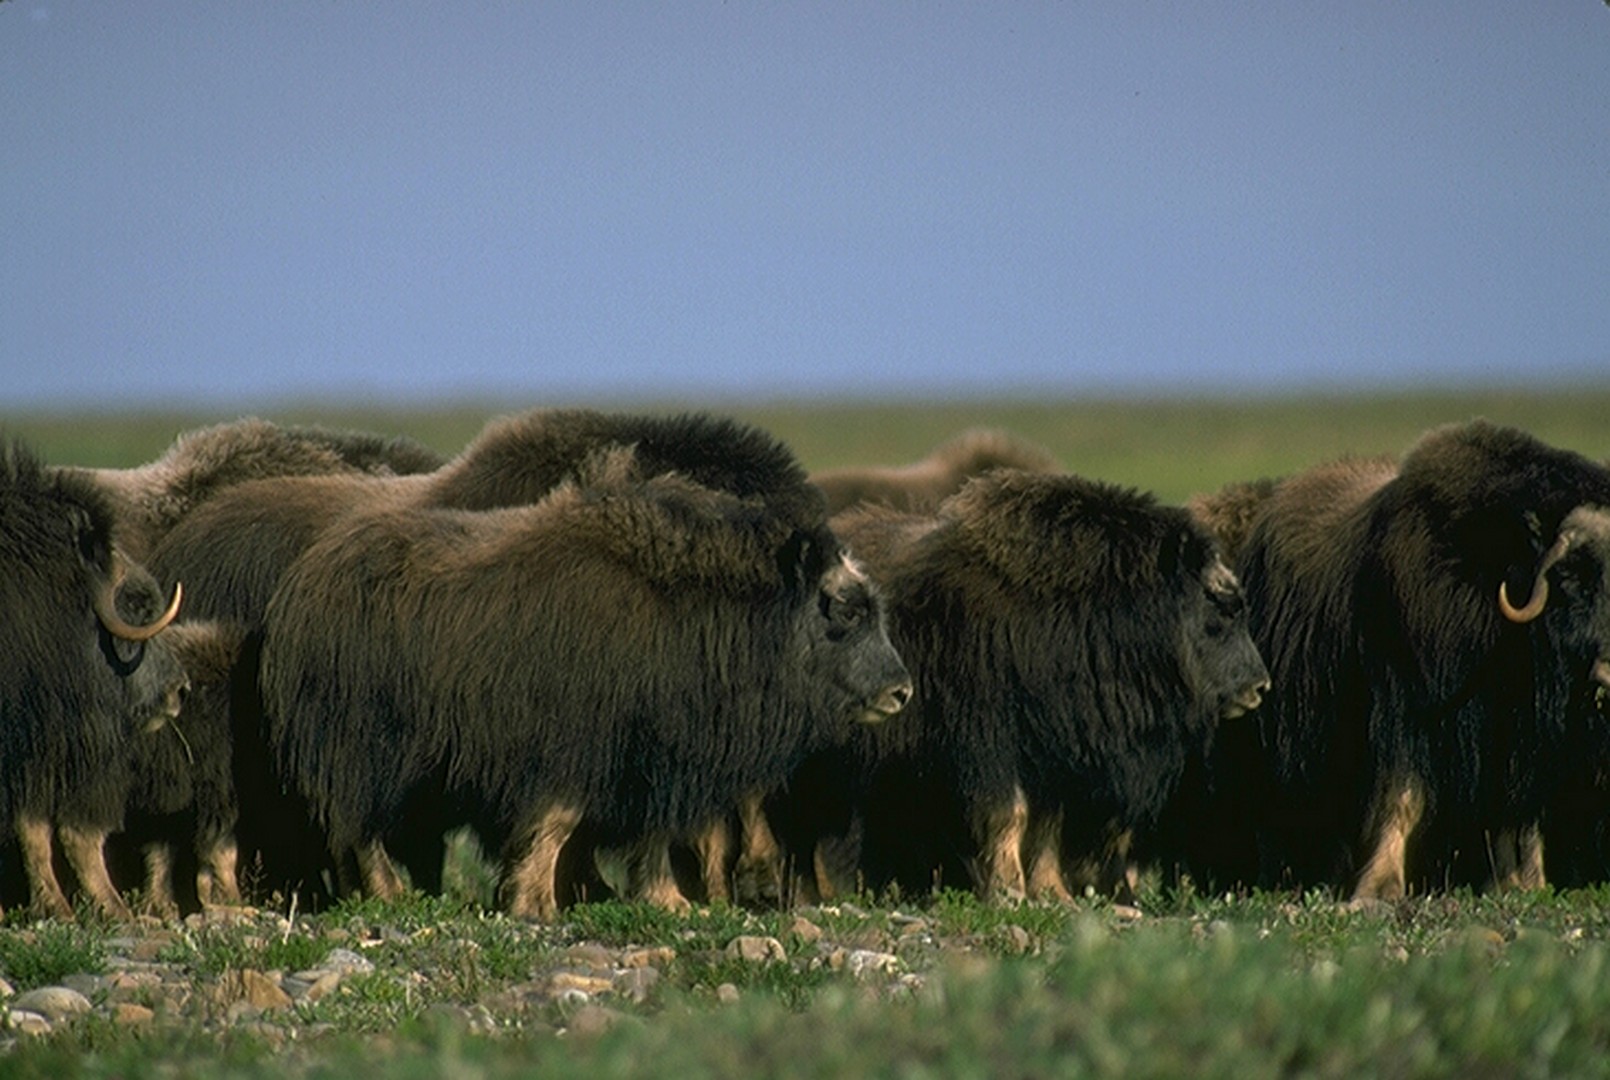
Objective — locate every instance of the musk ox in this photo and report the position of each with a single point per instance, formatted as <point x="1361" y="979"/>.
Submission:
<point x="234" y="550"/>
<point x="85" y="665"/>
<point x="151" y="499"/>
<point x="922" y="485"/>
<point x="632" y="651"/>
<point x="1430" y="626"/>
<point x="1073" y="645"/>
<point x="178" y="839"/>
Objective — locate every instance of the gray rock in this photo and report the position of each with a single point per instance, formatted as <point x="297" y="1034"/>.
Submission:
<point x="25" y="1022"/>
<point x="54" y="1003"/>
<point x="753" y="949"/>
<point x="861" y="963"/>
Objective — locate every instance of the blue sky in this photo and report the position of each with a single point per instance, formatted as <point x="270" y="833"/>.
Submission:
<point x="238" y="204"/>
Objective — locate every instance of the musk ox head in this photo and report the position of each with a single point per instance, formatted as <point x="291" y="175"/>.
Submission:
<point x="1570" y="595"/>
<point x="1221" y="664"/>
<point x="82" y="622"/>
<point x="842" y="637"/>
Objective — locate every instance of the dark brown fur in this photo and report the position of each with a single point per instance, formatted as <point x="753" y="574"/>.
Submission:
<point x="647" y="649"/>
<point x="1412" y="728"/>
<point x="1073" y="646"/>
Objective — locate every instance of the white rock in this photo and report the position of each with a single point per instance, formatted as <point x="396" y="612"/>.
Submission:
<point x="54" y="1003"/>
<point x="863" y="962"/>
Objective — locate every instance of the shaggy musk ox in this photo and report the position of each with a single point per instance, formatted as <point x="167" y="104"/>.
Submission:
<point x="1432" y="627"/>
<point x="633" y="652"/>
<point x="924" y="484"/>
<point x="84" y="667"/>
<point x="153" y="498"/>
<point x="178" y="839"/>
<point x="233" y="550"/>
<point x="1073" y="644"/>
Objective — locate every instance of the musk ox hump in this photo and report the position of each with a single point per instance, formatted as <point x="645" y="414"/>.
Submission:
<point x="1048" y="534"/>
<point x="518" y="459"/>
<point x="1305" y="513"/>
<point x="923" y="485"/>
<point x="669" y="530"/>
<point x="1230" y="514"/>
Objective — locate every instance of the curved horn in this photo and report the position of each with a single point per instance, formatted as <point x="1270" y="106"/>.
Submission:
<point x="1534" y="605"/>
<point x="106" y="611"/>
<point x="1540" y="586"/>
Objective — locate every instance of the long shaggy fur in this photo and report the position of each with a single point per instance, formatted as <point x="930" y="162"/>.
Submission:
<point x="1373" y="591"/>
<point x="640" y="648"/>
<point x="1052" y="625"/>
<point x="233" y="551"/>
<point x="69" y="693"/>
<point x="153" y="498"/>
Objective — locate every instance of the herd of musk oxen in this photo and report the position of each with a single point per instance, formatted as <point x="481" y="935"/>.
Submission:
<point x="650" y="656"/>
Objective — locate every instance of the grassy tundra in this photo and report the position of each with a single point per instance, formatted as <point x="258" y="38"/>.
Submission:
<point x="1257" y="985"/>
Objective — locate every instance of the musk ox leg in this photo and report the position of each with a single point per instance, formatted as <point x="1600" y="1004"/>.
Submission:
<point x="998" y="829"/>
<point x="530" y="861"/>
<point x="34" y="836"/>
<point x="1517" y="858"/>
<point x="835" y="871"/>
<point x="376" y="873"/>
<point x="649" y="877"/>
<point x="713" y="845"/>
<point x="1385" y="875"/>
<point x="1042" y="847"/>
<point x="758" y="875"/>
<point x="160" y="899"/>
<point x="216" y="880"/>
<point x="86" y="853"/>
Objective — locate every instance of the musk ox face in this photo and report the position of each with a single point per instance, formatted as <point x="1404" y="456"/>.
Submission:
<point x="156" y="683"/>
<point x="82" y="623"/>
<point x="844" y="641"/>
<point x="1570" y="597"/>
<point x="1221" y="663"/>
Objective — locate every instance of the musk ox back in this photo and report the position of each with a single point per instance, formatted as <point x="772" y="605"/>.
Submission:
<point x="1428" y="626"/>
<point x="633" y="652"/>
<point x="153" y="498"/>
<point x="77" y="676"/>
<point x="1073" y="644"/>
<point x="924" y="484"/>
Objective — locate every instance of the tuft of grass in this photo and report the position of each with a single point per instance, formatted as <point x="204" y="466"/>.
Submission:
<point x="49" y="952"/>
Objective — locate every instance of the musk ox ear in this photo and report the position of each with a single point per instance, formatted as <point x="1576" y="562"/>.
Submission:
<point x="802" y="559"/>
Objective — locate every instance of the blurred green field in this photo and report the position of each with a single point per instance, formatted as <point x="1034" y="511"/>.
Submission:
<point x="1173" y="447"/>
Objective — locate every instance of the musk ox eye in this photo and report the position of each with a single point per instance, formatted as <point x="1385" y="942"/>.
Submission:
<point x="123" y="656"/>
<point x="840" y="612"/>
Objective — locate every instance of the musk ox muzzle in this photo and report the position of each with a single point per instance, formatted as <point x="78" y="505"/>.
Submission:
<point x="1245" y="700"/>
<point x="890" y="701"/>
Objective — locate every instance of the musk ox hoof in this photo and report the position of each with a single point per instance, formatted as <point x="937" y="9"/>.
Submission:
<point x="1369" y="905"/>
<point x="757" y="882"/>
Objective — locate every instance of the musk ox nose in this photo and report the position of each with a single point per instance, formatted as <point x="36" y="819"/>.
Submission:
<point x="1248" y="699"/>
<point x="173" y="701"/>
<point x="886" y="704"/>
<point x="1601" y="672"/>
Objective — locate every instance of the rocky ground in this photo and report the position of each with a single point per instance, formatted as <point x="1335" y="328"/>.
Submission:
<point x="202" y="974"/>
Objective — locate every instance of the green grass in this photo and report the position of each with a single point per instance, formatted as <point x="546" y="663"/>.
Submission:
<point x="1258" y="985"/>
<point x="45" y="954"/>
